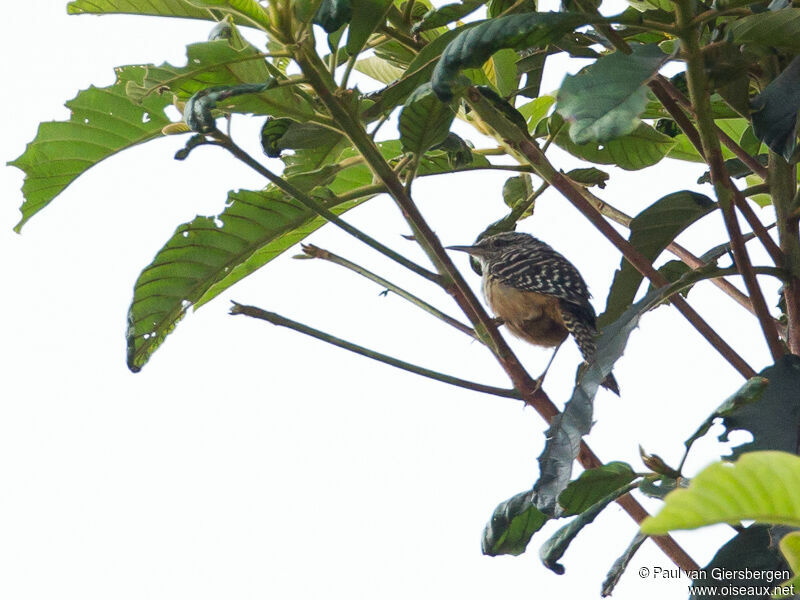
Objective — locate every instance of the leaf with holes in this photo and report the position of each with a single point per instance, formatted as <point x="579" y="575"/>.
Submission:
<point x="652" y="230"/>
<point x="222" y="63"/>
<point x="254" y="228"/>
<point x="739" y="494"/>
<point x="103" y="121"/>
<point x="472" y="48"/>
<point x="604" y="100"/>
<point x="512" y="525"/>
<point x="424" y="121"/>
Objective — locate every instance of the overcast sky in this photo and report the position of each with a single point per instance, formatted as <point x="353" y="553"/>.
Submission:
<point x="247" y="461"/>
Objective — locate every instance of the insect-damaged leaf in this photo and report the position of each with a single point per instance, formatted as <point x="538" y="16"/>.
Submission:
<point x="473" y="48"/>
<point x="604" y="100"/>
<point x="652" y="230"/>
<point x="103" y="121"/>
<point x="593" y="485"/>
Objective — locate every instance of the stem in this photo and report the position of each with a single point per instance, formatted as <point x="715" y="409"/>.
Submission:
<point x="404" y="39"/>
<point x="315" y="252"/>
<point x="782" y="184"/>
<point x="276" y="319"/>
<point x="724" y="188"/>
<point x="316" y="206"/>
<point x="408" y="11"/>
<point x="520" y="143"/>
<point x="347" y="70"/>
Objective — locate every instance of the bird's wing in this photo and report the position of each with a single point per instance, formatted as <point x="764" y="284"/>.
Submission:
<point x="550" y="274"/>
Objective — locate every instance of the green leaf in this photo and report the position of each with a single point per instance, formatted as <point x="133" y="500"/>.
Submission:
<point x="516" y="189"/>
<point x="219" y="63"/>
<point x="159" y="8"/>
<point x="424" y="121"/>
<point x="198" y="112"/>
<point x="271" y="133"/>
<point x="752" y="548"/>
<point x="652" y="230"/>
<point x="589" y="177"/>
<point x="593" y="485"/>
<point x="247" y="10"/>
<point x="619" y="566"/>
<point x="536" y="110"/>
<point x="780" y="29"/>
<point x="512" y="525"/>
<point x="775" y="111"/>
<point x="642" y="148"/>
<point x="761" y="486"/>
<point x="333" y="14"/>
<point x="371" y="14"/>
<point x="438" y="17"/>
<point x="604" y="100"/>
<point x="672" y="271"/>
<point x="554" y="548"/>
<point x="208" y="255"/>
<point x="735" y="168"/>
<point x="501" y="71"/>
<point x="103" y="121"/>
<point x="379" y="69"/>
<point x="472" y="48"/>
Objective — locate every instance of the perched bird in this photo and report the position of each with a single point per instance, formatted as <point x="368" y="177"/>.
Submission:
<point x="537" y="293"/>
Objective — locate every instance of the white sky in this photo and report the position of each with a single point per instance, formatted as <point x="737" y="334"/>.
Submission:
<point x="248" y="461"/>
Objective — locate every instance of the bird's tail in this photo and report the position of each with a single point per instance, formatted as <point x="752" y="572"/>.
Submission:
<point x="585" y="334"/>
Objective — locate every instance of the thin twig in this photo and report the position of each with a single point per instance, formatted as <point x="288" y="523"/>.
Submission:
<point x="315" y="252"/>
<point x="225" y="142"/>
<point x="276" y="319"/>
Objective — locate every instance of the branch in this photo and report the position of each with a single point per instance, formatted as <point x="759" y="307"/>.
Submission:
<point x="276" y="319"/>
<point x="724" y="188"/>
<point x="312" y="251"/>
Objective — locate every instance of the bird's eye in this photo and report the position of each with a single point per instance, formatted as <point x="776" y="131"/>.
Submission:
<point x="500" y="243"/>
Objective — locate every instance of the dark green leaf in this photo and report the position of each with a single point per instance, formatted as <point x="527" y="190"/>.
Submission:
<point x="474" y="47"/>
<point x="749" y="393"/>
<point x="672" y="271"/>
<point x="437" y="17"/>
<point x="554" y="548"/>
<point x="780" y="29"/>
<point x="652" y="230"/>
<point x="589" y="177"/>
<point x="424" y="121"/>
<point x="271" y="133"/>
<point x="593" y="485"/>
<point x="512" y="525"/>
<point x="418" y="72"/>
<point x="604" y="100"/>
<point x="516" y="189"/>
<point x="775" y="110"/>
<point x="753" y="549"/>
<point x="371" y="14"/>
<point x="332" y="14"/>
<point x="657" y="486"/>
<point x="103" y="121"/>
<point x="198" y="112"/>
<point x="774" y="417"/>
<point x="619" y="566"/>
<point x="735" y="168"/>
<point x="458" y="151"/>
<point x="209" y="254"/>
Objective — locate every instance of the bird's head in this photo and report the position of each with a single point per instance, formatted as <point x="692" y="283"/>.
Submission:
<point x="492" y="247"/>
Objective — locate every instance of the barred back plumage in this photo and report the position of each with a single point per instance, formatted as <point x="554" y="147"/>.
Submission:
<point x="540" y="296"/>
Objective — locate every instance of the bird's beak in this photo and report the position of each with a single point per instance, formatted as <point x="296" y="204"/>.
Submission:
<point x="472" y="250"/>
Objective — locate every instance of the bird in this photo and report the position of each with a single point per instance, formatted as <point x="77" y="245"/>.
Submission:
<point x="537" y="294"/>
